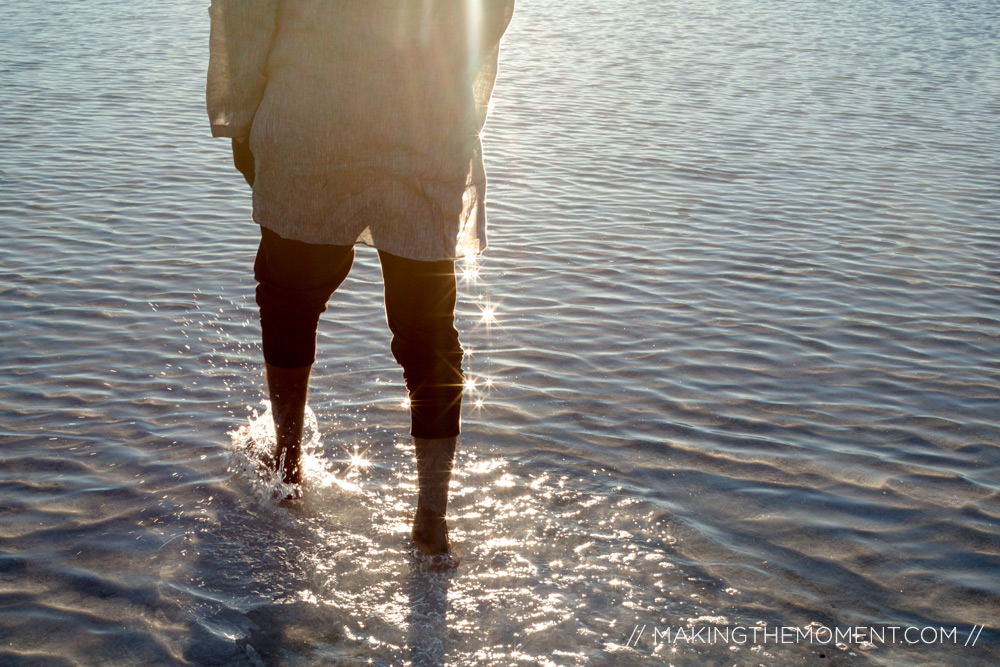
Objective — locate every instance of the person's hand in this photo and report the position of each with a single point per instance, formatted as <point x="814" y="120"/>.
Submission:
<point x="243" y="158"/>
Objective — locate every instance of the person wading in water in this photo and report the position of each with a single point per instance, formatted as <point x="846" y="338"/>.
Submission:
<point x="359" y="122"/>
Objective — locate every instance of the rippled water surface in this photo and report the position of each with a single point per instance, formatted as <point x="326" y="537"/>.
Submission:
<point x="744" y="368"/>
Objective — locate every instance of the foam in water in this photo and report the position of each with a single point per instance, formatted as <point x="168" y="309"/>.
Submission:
<point x="252" y="459"/>
<point x="252" y="455"/>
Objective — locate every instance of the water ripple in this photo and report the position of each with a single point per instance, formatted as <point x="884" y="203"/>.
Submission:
<point x="741" y="369"/>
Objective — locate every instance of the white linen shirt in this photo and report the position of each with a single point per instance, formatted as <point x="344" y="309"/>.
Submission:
<point x="363" y="117"/>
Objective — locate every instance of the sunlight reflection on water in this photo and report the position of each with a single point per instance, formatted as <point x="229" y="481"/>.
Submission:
<point x="731" y="353"/>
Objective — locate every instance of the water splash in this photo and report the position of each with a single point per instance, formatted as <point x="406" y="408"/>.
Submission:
<point x="251" y="455"/>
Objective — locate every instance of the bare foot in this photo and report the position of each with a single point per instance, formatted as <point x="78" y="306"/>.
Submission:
<point x="290" y="462"/>
<point x="431" y="545"/>
<point x="289" y="389"/>
<point x="430" y="528"/>
<point x="440" y="562"/>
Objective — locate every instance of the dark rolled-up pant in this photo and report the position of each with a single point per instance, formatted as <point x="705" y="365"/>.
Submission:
<point x="295" y="281"/>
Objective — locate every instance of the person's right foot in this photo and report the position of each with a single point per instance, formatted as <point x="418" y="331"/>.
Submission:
<point x="288" y="389"/>
<point x="291" y="464"/>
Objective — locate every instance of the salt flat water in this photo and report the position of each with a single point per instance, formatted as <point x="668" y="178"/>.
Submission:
<point x="742" y="368"/>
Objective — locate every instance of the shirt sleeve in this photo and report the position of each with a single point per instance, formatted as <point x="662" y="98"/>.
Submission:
<point x="496" y="16"/>
<point x="240" y="40"/>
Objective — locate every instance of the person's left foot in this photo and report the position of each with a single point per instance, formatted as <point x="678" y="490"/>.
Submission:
<point x="435" y="458"/>
<point x="431" y="544"/>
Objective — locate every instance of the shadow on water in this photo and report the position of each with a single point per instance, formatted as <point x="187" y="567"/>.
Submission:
<point x="259" y="605"/>
<point x="325" y="580"/>
<point x="426" y="638"/>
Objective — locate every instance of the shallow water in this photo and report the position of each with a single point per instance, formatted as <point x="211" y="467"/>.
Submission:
<point x="744" y="369"/>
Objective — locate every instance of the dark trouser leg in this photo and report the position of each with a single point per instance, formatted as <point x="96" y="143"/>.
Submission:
<point x="420" y="308"/>
<point x="295" y="280"/>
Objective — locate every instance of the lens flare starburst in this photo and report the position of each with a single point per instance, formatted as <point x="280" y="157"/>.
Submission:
<point x="487" y="312"/>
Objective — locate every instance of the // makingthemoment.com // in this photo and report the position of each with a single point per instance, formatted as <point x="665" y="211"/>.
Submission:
<point x="862" y="636"/>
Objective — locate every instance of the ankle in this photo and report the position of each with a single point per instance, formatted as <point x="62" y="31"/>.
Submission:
<point x="288" y="389"/>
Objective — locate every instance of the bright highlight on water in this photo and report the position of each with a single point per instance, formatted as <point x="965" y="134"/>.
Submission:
<point x="733" y="348"/>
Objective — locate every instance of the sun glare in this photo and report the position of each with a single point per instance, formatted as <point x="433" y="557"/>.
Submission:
<point x="488" y="313"/>
<point x="358" y="460"/>
<point x="470" y="273"/>
<point x="470" y="270"/>
<point x="474" y="28"/>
